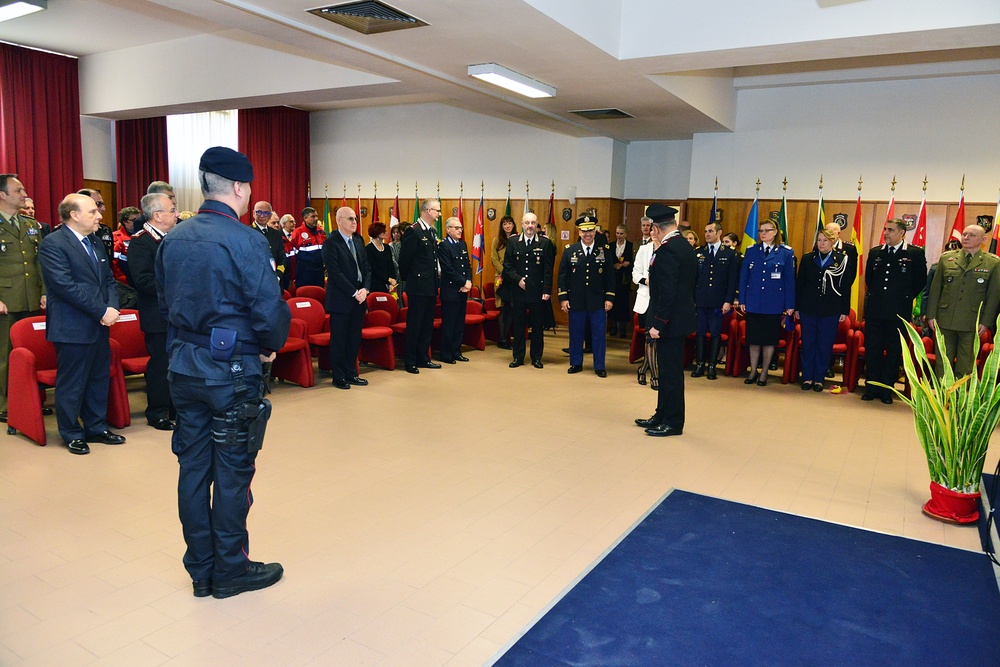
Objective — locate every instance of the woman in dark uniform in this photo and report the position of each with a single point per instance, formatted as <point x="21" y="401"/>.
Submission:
<point x="767" y="291"/>
<point x="823" y="298"/>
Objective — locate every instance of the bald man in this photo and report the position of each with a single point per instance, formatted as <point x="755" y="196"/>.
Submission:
<point x="261" y="215"/>
<point x="350" y="276"/>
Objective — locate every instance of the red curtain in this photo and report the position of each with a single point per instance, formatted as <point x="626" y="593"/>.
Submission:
<point x="40" y="125"/>
<point x="276" y="140"/>
<point x="141" y="157"/>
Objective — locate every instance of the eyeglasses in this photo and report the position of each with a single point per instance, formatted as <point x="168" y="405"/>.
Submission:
<point x="768" y="230"/>
<point x="262" y="213"/>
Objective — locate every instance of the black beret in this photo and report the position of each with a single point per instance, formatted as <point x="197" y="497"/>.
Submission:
<point x="227" y="163"/>
<point x="661" y="212"/>
<point x="586" y="222"/>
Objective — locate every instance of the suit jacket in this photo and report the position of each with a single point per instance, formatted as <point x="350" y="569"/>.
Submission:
<point x="78" y="293"/>
<point x="455" y="269"/>
<point x="21" y="286"/>
<point x="534" y="266"/>
<point x="672" y="276"/>
<point x="960" y="287"/>
<point x="587" y="282"/>
<point x="142" y="275"/>
<point x="718" y="277"/>
<point x="275" y="241"/>
<point x="894" y="284"/>
<point x="418" y="260"/>
<point x="640" y="276"/>
<point x="342" y="272"/>
<point x="824" y="291"/>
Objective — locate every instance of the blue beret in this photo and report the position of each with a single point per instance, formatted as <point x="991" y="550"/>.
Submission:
<point x="227" y="163"/>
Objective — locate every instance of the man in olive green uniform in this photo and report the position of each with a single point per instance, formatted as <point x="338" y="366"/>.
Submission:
<point x="21" y="291"/>
<point x="965" y="279"/>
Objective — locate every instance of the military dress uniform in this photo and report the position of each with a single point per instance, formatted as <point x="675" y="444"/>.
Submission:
<point x="895" y="277"/>
<point x="587" y="281"/>
<point x="21" y="287"/>
<point x="418" y="268"/>
<point x="215" y="276"/>
<point x="456" y="270"/>
<point x="715" y="284"/>
<point x="533" y="261"/>
<point x="823" y="294"/>
<point x="961" y="285"/>
<point x="767" y="288"/>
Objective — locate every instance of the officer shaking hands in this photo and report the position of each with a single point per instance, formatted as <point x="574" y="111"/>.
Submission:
<point x="225" y="319"/>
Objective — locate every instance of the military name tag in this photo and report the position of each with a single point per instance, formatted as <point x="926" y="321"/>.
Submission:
<point x="776" y="276"/>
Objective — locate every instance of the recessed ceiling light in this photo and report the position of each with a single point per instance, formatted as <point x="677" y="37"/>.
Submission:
<point x="511" y="80"/>
<point x="12" y="9"/>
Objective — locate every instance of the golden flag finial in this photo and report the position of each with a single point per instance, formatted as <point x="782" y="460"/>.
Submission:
<point x="925" y="182"/>
<point x="963" y="182"/>
<point x="859" y="182"/>
<point x="893" y="189"/>
<point x="758" y="185"/>
<point x="821" y="181"/>
<point x="784" y="184"/>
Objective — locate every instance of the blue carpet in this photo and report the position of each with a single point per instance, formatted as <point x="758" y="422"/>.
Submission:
<point x="703" y="581"/>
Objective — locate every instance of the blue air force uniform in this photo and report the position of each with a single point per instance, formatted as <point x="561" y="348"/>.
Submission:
<point x="716" y="282"/>
<point x="587" y="281"/>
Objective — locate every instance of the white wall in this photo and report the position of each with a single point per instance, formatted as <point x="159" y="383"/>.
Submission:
<point x="942" y="127"/>
<point x="425" y="143"/>
<point x="658" y="170"/>
<point x="98" y="141"/>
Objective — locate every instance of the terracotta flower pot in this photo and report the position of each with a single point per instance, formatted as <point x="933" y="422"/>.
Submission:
<point x="951" y="506"/>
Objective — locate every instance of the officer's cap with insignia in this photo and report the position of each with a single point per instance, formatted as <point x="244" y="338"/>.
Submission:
<point x="586" y="223"/>
<point x="661" y="213"/>
<point x="226" y="162"/>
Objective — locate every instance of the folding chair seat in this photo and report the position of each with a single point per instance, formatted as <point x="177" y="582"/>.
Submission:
<point x="376" y="340"/>
<point x="293" y="361"/>
<point x="129" y="335"/>
<point x="475" y="318"/>
<point x="317" y="323"/>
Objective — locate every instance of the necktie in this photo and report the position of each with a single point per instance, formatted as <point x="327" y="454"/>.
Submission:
<point x="968" y="257"/>
<point x="90" y="251"/>
<point x="586" y="252"/>
<point x="892" y="253"/>
<point x="767" y="251"/>
<point x="354" y="254"/>
<point x="711" y="251"/>
<point x="16" y="222"/>
<point x="527" y="244"/>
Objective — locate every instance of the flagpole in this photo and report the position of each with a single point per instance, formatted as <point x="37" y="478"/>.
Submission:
<point x="482" y="251"/>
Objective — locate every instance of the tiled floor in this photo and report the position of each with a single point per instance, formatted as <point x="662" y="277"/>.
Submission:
<point x="423" y="520"/>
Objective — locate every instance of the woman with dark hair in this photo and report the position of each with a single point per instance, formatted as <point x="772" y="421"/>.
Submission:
<point x="506" y="229"/>
<point x="380" y="260"/>
<point x="823" y="301"/>
<point x="732" y="240"/>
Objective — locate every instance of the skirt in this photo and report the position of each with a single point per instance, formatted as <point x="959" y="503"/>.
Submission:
<point x="763" y="329"/>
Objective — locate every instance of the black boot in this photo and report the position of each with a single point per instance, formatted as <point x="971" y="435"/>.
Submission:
<point x="713" y="355"/>
<point x="699" y="368"/>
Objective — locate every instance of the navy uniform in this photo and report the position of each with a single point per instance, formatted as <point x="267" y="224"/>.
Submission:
<point x="531" y="260"/>
<point x="456" y="271"/>
<point x="715" y="286"/>
<point x="895" y="277"/>
<point x="418" y="269"/>
<point x="220" y="298"/>
<point x="587" y="284"/>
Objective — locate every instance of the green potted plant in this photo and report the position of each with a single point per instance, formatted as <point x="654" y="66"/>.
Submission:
<point x="954" y="419"/>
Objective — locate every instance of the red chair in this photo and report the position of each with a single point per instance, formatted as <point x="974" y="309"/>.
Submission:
<point x="32" y="369"/>
<point x="130" y="338"/>
<point x="740" y="352"/>
<point x="689" y="342"/>
<point x="474" y="292"/>
<point x="637" y="349"/>
<point x="312" y="292"/>
<point x="475" y="317"/>
<point x="286" y="295"/>
<point x="489" y="291"/>
<point x="397" y="321"/>
<point x="317" y="323"/>
<point x="491" y="327"/>
<point x="376" y="340"/>
<point x="293" y="361"/>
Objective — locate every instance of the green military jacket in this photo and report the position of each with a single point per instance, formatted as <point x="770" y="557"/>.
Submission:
<point x="960" y="286"/>
<point x="21" y="286"/>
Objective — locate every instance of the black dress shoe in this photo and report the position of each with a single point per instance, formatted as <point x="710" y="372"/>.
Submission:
<point x="648" y="423"/>
<point x="461" y="357"/>
<point x="662" y="431"/>
<point x="537" y="363"/>
<point x="77" y="447"/>
<point x="448" y="361"/>
<point x="806" y="386"/>
<point x="710" y="373"/>
<point x="202" y="589"/>
<point x="3" y="416"/>
<point x="515" y="363"/>
<point x="356" y="381"/>
<point x="750" y="379"/>
<point x="45" y="411"/>
<point x="341" y="384"/>
<point x="601" y="373"/>
<point x="887" y="400"/>
<point x="430" y="364"/>
<point x="258" y="576"/>
<point x="868" y="397"/>
<point x="699" y="370"/>
<point x="107" y="437"/>
<point x="412" y="369"/>
<point x="574" y="369"/>
<point x="163" y="424"/>
<point x="503" y="346"/>
<point x="818" y="387"/>
<point x="762" y="382"/>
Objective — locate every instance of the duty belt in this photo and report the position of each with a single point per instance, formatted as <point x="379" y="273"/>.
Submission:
<point x="201" y="340"/>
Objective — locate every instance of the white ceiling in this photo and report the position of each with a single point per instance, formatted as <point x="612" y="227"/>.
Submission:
<point x="675" y="66"/>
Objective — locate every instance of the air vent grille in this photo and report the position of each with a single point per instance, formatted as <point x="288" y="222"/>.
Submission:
<point x="602" y="114"/>
<point x="368" y="17"/>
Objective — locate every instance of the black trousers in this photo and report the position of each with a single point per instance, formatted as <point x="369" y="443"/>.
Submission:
<point x="419" y="327"/>
<point x="345" y="341"/>
<point x="531" y="314"/>
<point x="82" y="380"/>
<point x="670" y="393"/>
<point x="452" y="327"/>
<point x="882" y="337"/>
<point x="158" y="403"/>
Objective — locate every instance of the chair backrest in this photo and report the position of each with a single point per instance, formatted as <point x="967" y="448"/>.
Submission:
<point x="286" y="295"/>
<point x="377" y="318"/>
<point x="473" y="308"/>
<point x="474" y="292"/>
<point x="30" y="333"/>
<point x="383" y="301"/>
<point x="309" y="311"/>
<point x="489" y="291"/>
<point x="129" y="335"/>
<point x="843" y="329"/>
<point x="312" y="292"/>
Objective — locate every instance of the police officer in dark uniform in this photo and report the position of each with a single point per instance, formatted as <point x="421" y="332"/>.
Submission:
<point x="225" y="319"/>
<point x="418" y="267"/>
<point x="456" y="281"/>
<point x="587" y="292"/>
<point x="895" y="273"/>
<point x="527" y="270"/>
<point x="715" y="290"/>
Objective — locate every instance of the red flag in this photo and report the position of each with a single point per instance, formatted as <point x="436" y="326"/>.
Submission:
<point x="461" y="217"/>
<point x="394" y="216"/>
<point x="857" y="238"/>
<point x="478" y="239"/>
<point x="996" y="229"/>
<point x="890" y="213"/>
<point x="552" y="211"/>
<point x="375" y="217"/>
<point x="920" y="232"/>
<point x="358" y="209"/>
<point x="959" y="226"/>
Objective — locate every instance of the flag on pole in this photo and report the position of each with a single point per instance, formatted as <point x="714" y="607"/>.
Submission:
<point x="959" y="226"/>
<point x="478" y="238"/>
<point x="820" y="213"/>
<point x="857" y="238"/>
<point x="394" y="213"/>
<point x="782" y="219"/>
<point x="552" y="211"/>
<point x="461" y="205"/>
<point x="920" y="231"/>
<point x="416" y="205"/>
<point x="715" y="204"/>
<point x="506" y="208"/>
<point x="440" y="218"/>
<point x="750" y="231"/>
<point x="358" y="209"/>
<point x="327" y="226"/>
<point x="996" y="229"/>
<point x="890" y="212"/>
<point x="343" y="199"/>
<point x="375" y="216"/>
<point x="527" y="209"/>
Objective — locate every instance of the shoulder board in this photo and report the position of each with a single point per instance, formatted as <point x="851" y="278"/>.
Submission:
<point x="783" y="245"/>
<point x="139" y="233"/>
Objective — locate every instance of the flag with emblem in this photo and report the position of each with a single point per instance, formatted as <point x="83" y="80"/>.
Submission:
<point x="750" y="231"/>
<point x="996" y="229"/>
<point x="890" y="212"/>
<point x="506" y="208"/>
<point x="920" y="229"/>
<point x="857" y="238"/>
<point x="394" y="214"/>
<point x="820" y="215"/>
<point x="327" y="226"/>
<point x="959" y="225"/>
<point x="478" y="237"/>
<point x="714" y="213"/>
<point x="416" y="206"/>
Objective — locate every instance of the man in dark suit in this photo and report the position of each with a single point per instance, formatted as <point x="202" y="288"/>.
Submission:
<point x="348" y="281"/>
<point x="161" y="216"/>
<point x="670" y="318"/>
<point x="261" y="214"/>
<point x="82" y="302"/>
<point x="418" y="266"/>
<point x="527" y="266"/>
<point x="717" y="280"/>
<point x="895" y="273"/>
<point x="456" y="281"/>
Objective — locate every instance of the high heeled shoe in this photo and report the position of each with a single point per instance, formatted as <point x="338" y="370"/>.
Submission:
<point x="751" y="379"/>
<point x="762" y="382"/>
